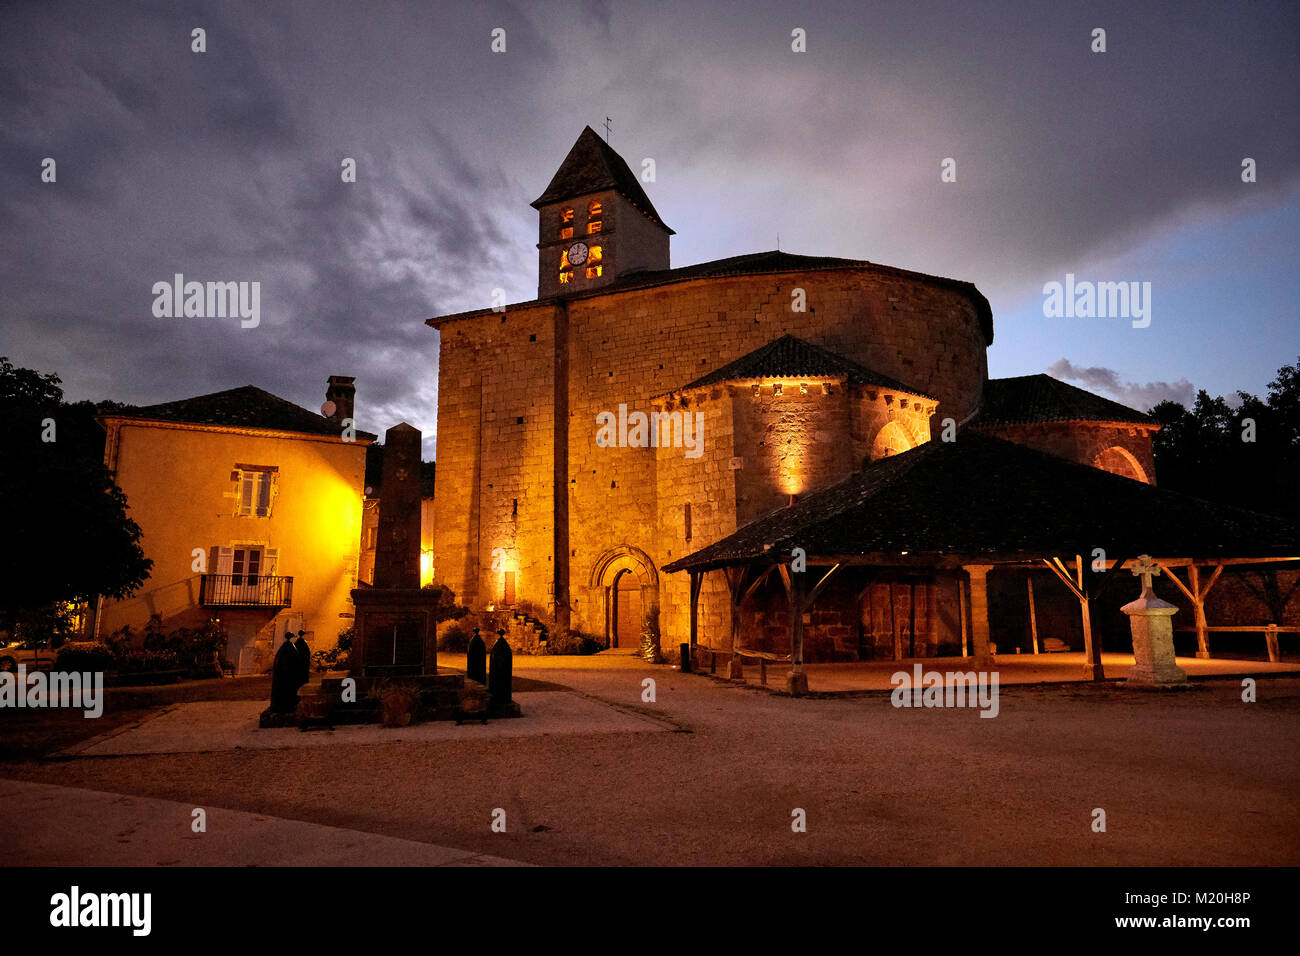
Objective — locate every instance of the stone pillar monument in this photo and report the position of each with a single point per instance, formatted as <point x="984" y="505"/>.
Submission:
<point x="396" y="621"/>
<point x="1151" y="621"/>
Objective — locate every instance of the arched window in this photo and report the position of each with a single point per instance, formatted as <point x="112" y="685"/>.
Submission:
<point x="566" y="270"/>
<point x="594" y="256"/>
<point x="890" y="440"/>
<point x="566" y="224"/>
<point x="593" y="218"/>
<point x="1120" y="461"/>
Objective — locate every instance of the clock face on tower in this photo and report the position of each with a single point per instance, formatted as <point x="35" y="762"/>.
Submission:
<point x="578" y="253"/>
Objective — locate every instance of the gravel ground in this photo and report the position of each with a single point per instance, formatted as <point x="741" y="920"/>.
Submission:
<point x="1192" y="777"/>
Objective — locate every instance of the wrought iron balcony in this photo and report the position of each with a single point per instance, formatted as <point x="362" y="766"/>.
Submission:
<point x="245" y="590"/>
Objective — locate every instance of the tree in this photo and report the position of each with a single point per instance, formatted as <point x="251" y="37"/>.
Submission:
<point x="1248" y="456"/>
<point x="70" y="536"/>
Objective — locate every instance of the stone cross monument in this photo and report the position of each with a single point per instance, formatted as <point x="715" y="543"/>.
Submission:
<point x="1151" y="621"/>
<point x="396" y="621"/>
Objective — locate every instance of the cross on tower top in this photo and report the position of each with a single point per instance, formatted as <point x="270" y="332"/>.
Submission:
<point x="607" y="122"/>
<point x="1147" y="569"/>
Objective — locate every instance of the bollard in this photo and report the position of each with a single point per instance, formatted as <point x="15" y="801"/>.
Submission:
<point x="476" y="659"/>
<point x="686" y="658"/>
<point x="499" y="679"/>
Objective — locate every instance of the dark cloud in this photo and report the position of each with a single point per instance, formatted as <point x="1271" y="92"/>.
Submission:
<point x="1142" y="396"/>
<point x="225" y="165"/>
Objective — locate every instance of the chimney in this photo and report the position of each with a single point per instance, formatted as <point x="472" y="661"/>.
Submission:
<point x="343" y="394"/>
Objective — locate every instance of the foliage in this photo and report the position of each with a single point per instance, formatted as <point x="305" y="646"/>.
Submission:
<point x="1201" y="451"/>
<point x="195" y="650"/>
<point x="448" y="609"/>
<point x="575" y="642"/>
<point x="455" y="639"/>
<point x="84" y="656"/>
<point x="346" y="637"/>
<point x="77" y="538"/>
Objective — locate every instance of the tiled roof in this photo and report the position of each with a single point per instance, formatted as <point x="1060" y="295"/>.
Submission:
<point x="981" y="496"/>
<point x="244" y="407"/>
<point x="1041" y="398"/>
<point x="789" y="357"/>
<point x="592" y="166"/>
<point x="759" y="263"/>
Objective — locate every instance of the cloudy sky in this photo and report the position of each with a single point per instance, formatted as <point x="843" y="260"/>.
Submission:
<point x="226" y="165"/>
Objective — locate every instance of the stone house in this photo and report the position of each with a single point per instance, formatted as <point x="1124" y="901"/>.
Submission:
<point x="250" y="508"/>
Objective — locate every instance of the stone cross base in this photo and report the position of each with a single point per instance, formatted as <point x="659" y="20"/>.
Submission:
<point x="1151" y="621"/>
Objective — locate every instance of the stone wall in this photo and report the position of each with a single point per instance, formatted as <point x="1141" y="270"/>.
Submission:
<point x="498" y="379"/>
<point x="1089" y="444"/>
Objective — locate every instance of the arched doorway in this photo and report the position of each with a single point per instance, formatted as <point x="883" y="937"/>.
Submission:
<point x="629" y="588"/>
<point x="628" y="612"/>
<point x="1120" y="461"/>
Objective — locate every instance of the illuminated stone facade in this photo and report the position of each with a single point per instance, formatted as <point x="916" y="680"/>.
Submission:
<point x="531" y="505"/>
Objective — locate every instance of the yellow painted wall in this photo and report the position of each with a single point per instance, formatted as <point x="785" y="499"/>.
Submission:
<point x="178" y="485"/>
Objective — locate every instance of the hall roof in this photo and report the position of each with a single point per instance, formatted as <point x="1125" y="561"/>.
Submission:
<point x="981" y="496"/>
<point x="1028" y="399"/>
<point x="245" y="407"/>
<point x="791" y="357"/>
<point x="592" y="166"/>
<point x="758" y="263"/>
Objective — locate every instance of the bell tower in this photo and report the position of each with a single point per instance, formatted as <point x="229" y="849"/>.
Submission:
<point x="595" y="223"/>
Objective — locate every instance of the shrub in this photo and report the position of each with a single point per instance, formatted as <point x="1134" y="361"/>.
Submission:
<point x="575" y="642"/>
<point x="84" y="656"/>
<point x="455" y="640"/>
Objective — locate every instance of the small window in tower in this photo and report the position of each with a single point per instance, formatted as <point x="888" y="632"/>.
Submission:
<point x="594" y="256"/>
<point x="686" y="513"/>
<point x="566" y="224"/>
<point x="593" y="218"/>
<point x="508" y="589"/>
<point x="566" y="270"/>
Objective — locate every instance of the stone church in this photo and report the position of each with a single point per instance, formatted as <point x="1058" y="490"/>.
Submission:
<point x="635" y="413"/>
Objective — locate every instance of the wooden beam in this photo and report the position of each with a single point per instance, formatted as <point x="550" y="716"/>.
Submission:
<point x="1059" y="570"/>
<point x="1092" y="668"/>
<point x="697" y="578"/>
<point x="1198" y="611"/>
<point x="1033" y="617"/>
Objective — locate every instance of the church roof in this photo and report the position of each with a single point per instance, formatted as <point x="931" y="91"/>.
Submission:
<point x="790" y="357"/>
<point x="245" y="407"/>
<point x="592" y="166"/>
<point x="982" y="496"/>
<point x="757" y="263"/>
<point x="1027" y="399"/>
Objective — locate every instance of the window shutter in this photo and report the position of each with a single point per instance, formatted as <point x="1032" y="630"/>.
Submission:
<point x="270" y="561"/>
<point x="225" y="560"/>
<point x="245" y="493"/>
<point x="264" y="493"/>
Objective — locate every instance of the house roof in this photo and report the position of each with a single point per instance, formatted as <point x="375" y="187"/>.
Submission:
<point x="982" y="496"/>
<point x="757" y="263"/>
<point x="1028" y="399"/>
<point x="243" y="407"/>
<point x="790" y="357"/>
<point x="592" y="166"/>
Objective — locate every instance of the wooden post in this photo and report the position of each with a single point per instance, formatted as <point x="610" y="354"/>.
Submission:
<point x="1033" y="617"/>
<point x="1092" y="668"/>
<point x="696" y="580"/>
<point x="762" y="671"/>
<point x="961" y="612"/>
<point x="798" y="681"/>
<point x="1270" y="637"/>
<point x="1198" y="611"/>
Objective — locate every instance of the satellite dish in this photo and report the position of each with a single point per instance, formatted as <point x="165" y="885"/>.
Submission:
<point x="328" y="409"/>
